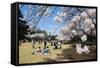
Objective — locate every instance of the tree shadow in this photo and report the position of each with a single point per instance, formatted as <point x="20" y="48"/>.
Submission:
<point x="72" y="55"/>
<point x="49" y="60"/>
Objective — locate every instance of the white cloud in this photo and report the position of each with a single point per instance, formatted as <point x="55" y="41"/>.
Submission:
<point x="58" y="13"/>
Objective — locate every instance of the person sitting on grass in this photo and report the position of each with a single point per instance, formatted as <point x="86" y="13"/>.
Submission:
<point x="38" y="51"/>
<point x="46" y="51"/>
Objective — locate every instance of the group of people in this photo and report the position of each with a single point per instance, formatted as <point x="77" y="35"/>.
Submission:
<point x="46" y="49"/>
<point x="56" y="44"/>
<point x="41" y="51"/>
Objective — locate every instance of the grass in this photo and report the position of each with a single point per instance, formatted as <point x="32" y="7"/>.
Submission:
<point x="66" y="53"/>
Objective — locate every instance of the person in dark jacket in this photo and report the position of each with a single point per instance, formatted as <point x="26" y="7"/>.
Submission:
<point x="55" y="44"/>
<point x="45" y="44"/>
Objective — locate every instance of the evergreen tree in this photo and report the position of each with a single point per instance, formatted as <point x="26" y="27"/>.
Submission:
<point x="22" y="27"/>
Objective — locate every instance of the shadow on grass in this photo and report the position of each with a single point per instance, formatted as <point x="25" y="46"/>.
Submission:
<point x="71" y="54"/>
<point x="50" y="60"/>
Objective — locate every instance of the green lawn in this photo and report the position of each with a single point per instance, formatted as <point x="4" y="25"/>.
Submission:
<point x="66" y="53"/>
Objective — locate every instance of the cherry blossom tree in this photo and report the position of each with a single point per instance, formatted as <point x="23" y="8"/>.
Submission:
<point x="84" y="21"/>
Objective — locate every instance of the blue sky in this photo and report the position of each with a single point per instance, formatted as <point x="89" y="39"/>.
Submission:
<point x="50" y="25"/>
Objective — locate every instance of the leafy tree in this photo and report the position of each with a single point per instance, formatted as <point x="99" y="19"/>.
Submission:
<point x="22" y="26"/>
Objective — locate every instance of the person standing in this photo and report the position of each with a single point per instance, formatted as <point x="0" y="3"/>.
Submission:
<point x="33" y="43"/>
<point x="45" y="44"/>
<point x="59" y="45"/>
<point x="55" y="44"/>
